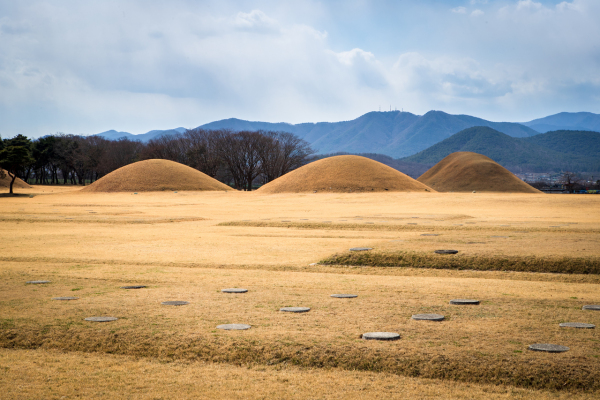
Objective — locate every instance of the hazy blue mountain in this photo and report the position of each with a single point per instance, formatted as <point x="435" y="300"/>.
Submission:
<point x="144" y="137"/>
<point x="580" y="121"/>
<point x="552" y="151"/>
<point x="393" y="133"/>
<point x="114" y="135"/>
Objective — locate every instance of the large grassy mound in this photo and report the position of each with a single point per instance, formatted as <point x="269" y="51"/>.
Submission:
<point x="19" y="183"/>
<point x="465" y="171"/>
<point x="155" y="175"/>
<point x="344" y="174"/>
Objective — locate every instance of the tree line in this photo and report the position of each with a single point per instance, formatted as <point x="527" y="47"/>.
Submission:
<point x="240" y="159"/>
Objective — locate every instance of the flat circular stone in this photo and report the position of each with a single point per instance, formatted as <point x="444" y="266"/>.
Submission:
<point x="580" y="325"/>
<point x="234" y="327"/>
<point x="134" y="287"/>
<point x="461" y="302"/>
<point x="37" y="282"/>
<point x="234" y="290"/>
<point x="295" y="309"/>
<point x="175" y="303"/>
<point x="446" y="251"/>
<point x="591" y="307"/>
<point x="429" y="234"/>
<point x="381" y="336"/>
<point x="344" y="296"/>
<point x="361" y="249"/>
<point x="549" y="348"/>
<point x="65" y="298"/>
<point x="428" y="317"/>
<point x="101" y="319"/>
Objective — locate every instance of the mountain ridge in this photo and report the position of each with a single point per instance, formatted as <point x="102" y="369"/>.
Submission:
<point x="560" y="150"/>
<point x="396" y="134"/>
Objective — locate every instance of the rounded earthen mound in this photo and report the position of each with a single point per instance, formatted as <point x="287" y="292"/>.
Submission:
<point x="466" y="172"/>
<point x="155" y="175"/>
<point x="344" y="174"/>
<point x="19" y="183"/>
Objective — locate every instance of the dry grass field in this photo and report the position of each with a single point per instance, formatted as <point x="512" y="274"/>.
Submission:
<point x="190" y="245"/>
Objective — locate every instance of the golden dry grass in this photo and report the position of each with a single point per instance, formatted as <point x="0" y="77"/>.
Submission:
<point x="155" y="175"/>
<point x="465" y="171"/>
<point x="56" y="375"/>
<point x="344" y="174"/>
<point x="189" y="245"/>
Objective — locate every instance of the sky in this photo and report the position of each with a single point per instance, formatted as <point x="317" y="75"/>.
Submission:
<point x="84" y="67"/>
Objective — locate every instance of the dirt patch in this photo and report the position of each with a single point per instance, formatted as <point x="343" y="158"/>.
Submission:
<point x="153" y="176"/>
<point x="465" y="171"/>
<point x="344" y="174"/>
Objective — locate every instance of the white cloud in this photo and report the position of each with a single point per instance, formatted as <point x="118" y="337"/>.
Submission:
<point x="256" y="20"/>
<point x="528" y="4"/>
<point x="91" y="66"/>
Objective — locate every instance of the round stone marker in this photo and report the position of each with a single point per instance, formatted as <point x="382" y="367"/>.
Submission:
<point x="233" y="327"/>
<point x="381" y="336"/>
<point x="579" y="325"/>
<point x="295" y="309"/>
<point x="65" y="298"/>
<point x="446" y="251"/>
<point x="134" y="287"/>
<point x="428" y="317"/>
<point x="548" y="348"/>
<point x="37" y="282"/>
<point x="361" y="249"/>
<point x="464" y="302"/>
<point x="594" y="307"/>
<point x="175" y="303"/>
<point x="234" y="290"/>
<point x="344" y="296"/>
<point x="101" y="319"/>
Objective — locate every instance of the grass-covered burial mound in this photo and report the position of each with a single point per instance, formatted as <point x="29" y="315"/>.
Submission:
<point x="155" y="175"/>
<point x="344" y="174"/>
<point x="465" y="171"/>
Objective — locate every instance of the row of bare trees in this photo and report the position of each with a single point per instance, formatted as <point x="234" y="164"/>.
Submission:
<point x="240" y="159"/>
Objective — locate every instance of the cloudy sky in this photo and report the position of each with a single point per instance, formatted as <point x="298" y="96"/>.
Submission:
<point x="88" y="66"/>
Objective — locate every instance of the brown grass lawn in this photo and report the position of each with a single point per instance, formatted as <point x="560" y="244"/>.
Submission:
<point x="189" y="245"/>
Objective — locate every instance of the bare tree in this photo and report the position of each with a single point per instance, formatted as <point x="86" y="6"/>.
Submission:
<point x="202" y="151"/>
<point x="281" y="153"/>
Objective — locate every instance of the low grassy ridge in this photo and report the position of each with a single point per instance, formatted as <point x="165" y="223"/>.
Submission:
<point x="485" y="344"/>
<point x="563" y="265"/>
<point x="522" y="370"/>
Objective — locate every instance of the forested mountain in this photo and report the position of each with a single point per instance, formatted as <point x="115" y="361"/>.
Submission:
<point x="580" y="121"/>
<point x="393" y="133"/>
<point x="575" y="143"/>
<point x="552" y="151"/>
<point x="400" y="134"/>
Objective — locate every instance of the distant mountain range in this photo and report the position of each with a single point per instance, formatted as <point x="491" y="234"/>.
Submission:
<point x="392" y="133"/>
<point x="581" y="121"/>
<point x="144" y="137"/>
<point x="552" y="151"/>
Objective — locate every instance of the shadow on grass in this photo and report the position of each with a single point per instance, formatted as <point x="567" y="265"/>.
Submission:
<point x="16" y="195"/>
